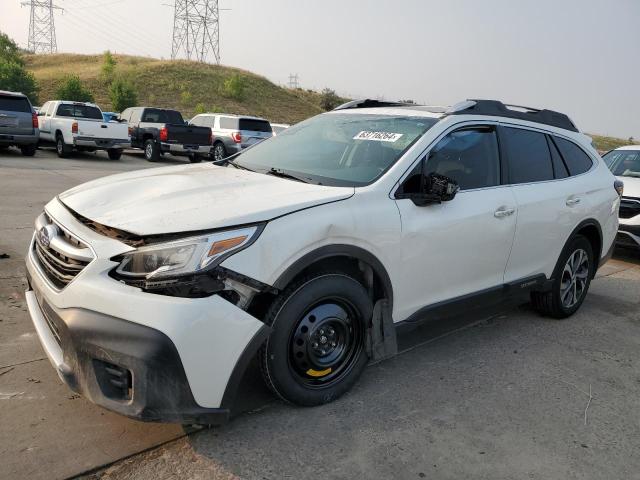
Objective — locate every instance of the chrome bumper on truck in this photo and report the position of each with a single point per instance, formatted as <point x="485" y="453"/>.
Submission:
<point x="102" y="143"/>
<point x="184" y="148"/>
<point x="146" y="356"/>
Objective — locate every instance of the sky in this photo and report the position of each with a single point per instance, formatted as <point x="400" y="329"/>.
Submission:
<point x="580" y="57"/>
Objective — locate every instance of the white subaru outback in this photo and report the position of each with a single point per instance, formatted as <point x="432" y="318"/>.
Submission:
<point x="151" y="291"/>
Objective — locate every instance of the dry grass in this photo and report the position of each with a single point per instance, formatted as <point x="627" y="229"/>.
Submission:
<point x="177" y="84"/>
<point x="604" y="144"/>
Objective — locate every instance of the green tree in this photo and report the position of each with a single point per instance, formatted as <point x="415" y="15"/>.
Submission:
<point x="9" y="50"/>
<point x="122" y="94"/>
<point x="234" y="87"/>
<point x="108" y="66"/>
<point x="14" y="78"/>
<point x="73" y="90"/>
<point x="329" y="100"/>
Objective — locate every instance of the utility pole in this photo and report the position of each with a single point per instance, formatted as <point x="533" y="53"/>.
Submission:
<point x="293" y="81"/>
<point x="196" y="30"/>
<point x="42" y="29"/>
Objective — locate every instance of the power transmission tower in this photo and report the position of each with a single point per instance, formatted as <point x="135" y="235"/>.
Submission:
<point x="196" y="30"/>
<point x="293" y="81"/>
<point x="42" y="29"/>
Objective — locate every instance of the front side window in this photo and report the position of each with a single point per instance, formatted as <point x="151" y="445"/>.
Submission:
<point x="576" y="159"/>
<point x="339" y="149"/>
<point x="528" y="155"/>
<point x="624" y="163"/>
<point x="469" y="156"/>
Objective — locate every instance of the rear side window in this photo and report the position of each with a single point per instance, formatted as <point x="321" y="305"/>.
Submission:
<point x="255" y="125"/>
<point x="229" y="122"/>
<point x="468" y="156"/>
<point x="576" y="159"/>
<point x="528" y="155"/>
<point x="10" y="103"/>
<point x="79" y="111"/>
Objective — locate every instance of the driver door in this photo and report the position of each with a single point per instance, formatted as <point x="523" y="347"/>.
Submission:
<point x="460" y="247"/>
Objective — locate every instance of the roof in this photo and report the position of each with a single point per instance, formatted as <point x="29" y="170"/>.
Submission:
<point x="12" y="94"/>
<point x="230" y="115"/>
<point x="629" y="147"/>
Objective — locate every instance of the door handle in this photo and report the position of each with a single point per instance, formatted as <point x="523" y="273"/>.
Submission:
<point x="504" y="212"/>
<point x="572" y="201"/>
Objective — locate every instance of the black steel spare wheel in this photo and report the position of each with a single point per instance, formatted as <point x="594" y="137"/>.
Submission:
<point x="316" y="349"/>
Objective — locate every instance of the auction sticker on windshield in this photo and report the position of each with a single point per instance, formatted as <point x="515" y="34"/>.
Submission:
<point x="378" y="136"/>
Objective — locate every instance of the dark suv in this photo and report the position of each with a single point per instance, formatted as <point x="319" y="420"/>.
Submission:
<point x="18" y="123"/>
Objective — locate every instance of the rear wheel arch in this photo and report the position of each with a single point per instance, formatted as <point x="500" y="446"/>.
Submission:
<point x="592" y="231"/>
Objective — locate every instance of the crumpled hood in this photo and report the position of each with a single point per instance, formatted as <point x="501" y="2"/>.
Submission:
<point x="631" y="186"/>
<point x="193" y="197"/>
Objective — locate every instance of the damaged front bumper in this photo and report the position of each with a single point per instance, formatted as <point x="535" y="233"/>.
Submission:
<point x="147" y="356"/>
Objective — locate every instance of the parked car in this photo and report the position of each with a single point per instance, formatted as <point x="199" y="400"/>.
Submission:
<point x="233" y="133"/>
<point x="152" y="290"/>
<point x="79" y="126"/>
<point x="624" y="162"/>
<point x="110" y="116"/>
<point x="279" y="128"/>
<point x="18" y="123"/>
<point x="158" y="131"/>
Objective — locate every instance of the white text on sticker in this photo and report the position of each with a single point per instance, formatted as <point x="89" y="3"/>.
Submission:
<point x="378" y="136"/>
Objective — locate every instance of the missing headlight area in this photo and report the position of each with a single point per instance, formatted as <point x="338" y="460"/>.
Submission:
<point x="233" y="287"/>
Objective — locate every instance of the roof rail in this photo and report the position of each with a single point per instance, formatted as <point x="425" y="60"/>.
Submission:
<point x="498" y="109"/>
<point x="368" y="103"/>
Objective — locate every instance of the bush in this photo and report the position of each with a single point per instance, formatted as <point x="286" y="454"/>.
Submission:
<point x="186" y="97"/>
<point x="122" y="94"/>
<point x="200" y="108"/>
<point x="73" y="90"/>
<point x="329" y="100"/>
<point x="108" y="67"/>
<point x="234" y="87"/>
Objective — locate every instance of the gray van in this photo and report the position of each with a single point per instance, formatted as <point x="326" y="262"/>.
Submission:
<point x="232" y="133"/>
<point x="18" y="123"/>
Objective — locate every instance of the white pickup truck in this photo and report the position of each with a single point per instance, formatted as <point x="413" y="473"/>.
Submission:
<point x="80" y="126"/>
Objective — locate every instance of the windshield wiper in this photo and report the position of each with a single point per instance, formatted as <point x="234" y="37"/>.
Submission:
<point x="230" y="160"/>
<point x="278" y="172"/>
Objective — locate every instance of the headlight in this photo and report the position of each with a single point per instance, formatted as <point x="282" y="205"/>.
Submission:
<point x="186" y="256"/>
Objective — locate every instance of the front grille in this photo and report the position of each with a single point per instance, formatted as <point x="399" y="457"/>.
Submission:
<point x="60" y="255"/>
<point x="629" y="207"/>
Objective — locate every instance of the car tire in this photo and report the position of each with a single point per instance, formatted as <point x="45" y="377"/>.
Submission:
<point x="151" y="151"/>
<point x="114" y="153"/>
<point x="28" y="150"/>
<point x="572" y="277"/>
<point x="195" y="158"/>
<point x="316" y="349"/>
<point x="62" y="149"/>
<point x="219" y="152"/>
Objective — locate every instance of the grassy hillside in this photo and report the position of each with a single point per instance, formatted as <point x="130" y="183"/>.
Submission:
<point x="604" y="144"/>
<point x="177" y="84"/>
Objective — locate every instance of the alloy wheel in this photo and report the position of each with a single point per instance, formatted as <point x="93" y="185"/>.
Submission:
<point x="218" y="153"/>
<point x="575" y="276"/>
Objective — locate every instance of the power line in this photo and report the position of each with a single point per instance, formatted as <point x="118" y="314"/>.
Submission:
<point x="42" y="29"/>
<point x="196" y="30"/>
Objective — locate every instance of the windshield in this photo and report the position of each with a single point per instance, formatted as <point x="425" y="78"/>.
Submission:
<point x="338" y="149"/>
<point x="624" y="163"/>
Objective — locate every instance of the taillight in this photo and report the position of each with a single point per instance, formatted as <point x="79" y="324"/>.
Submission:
<point x="34" y="120"/>
<point x="164" y="134"/>
<point x="236" y="137"/>
<point x="130" y="129"/>
<point x="619" y="186"/>
<point x="74" y="127"/>
<point x="210" y="137"/>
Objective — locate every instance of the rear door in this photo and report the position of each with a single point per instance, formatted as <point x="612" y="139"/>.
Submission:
<point x="551" y="201"/>
<point x="16" y="115"/>
<point x="254" y="131"/>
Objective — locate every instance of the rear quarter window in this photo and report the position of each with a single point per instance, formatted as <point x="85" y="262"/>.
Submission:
<point x="10" y="103"/>
<point x="575" y="158"/>
<point x="229" y="122"/>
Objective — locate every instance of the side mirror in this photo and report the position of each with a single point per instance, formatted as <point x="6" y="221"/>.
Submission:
<point x="41" y="113"/>
<point x="432" y="188"/>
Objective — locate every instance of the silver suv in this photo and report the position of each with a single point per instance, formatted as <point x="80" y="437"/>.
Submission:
<point x="232" y="133"/>
<point x="18" y="123"/>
